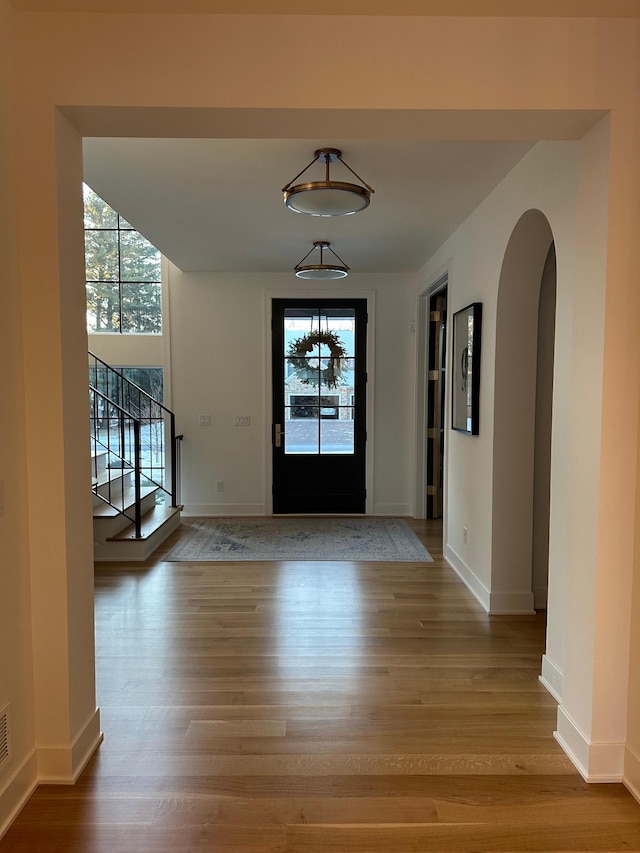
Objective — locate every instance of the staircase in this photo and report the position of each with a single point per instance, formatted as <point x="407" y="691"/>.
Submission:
<point x="135" y="459"/>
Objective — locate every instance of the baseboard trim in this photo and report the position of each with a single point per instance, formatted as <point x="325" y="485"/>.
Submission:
<point x="16" y="792"/>
<point x="595" y="762"/>
<point x="631" y="777"/>
<point x="468" y="578"/>
<point x="62" y="765"/>
<point x="551" y="678"/>
<point x="214" y="510"/>
<point x="540" y="597"/>
<point x="392" y="509"/>
<point x="511" y="604"/>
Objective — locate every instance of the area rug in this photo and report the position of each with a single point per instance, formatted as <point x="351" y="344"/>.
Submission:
<point x="209" y="539"/>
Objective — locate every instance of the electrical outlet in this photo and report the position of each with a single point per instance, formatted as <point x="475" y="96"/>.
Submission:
<point x="219" y="485"/>
<point x="464" y="535"/>
<point x="242" y="420"/>
<point x="205" y="420"/>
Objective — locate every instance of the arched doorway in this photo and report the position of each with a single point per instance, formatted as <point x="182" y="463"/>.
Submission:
<point x="525" y="331"/>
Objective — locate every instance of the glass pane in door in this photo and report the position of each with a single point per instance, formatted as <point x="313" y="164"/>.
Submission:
<point x="319" y="380"/>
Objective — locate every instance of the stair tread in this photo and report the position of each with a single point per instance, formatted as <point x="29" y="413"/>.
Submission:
<point x="112" y="475"/>
<point x="151" y="521"/>
<point x="126" y="501"/>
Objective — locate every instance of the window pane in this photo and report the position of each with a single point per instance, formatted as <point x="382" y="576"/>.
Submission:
<point x="341" y="373"/>
<point x="139" y="260"/>
<point x="97" y="213"/>
<point x="305" y="372"/>
<point x="303" y="405"/>
<point x="336" y="436"/>
<point x="101" y="255"/>
<point x="147" y="378"/>
<point x="329" y="407"/>
<point x="114" y="253"/>
<point x="142" y="308"/>
<point x="301" y="429"/>
<point x="343" y="324"/>
<point x="103" y="307"/>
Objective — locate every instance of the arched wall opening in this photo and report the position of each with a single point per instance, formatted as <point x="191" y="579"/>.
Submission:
<point x="544" y="420"/>
<point x="522" y="408"/>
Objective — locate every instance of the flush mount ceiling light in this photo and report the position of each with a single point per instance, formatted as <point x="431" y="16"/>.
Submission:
<point x="327" y="198"/>
<point x="318" y="272"/>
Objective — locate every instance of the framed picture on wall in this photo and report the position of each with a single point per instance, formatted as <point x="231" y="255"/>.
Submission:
<point x="465" y="384"/>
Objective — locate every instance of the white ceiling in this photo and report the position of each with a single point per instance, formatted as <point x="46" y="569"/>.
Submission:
<point x="212" y="200"/>
<point x="216" y="204"/>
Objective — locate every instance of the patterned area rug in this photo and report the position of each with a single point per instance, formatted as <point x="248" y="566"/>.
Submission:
<point x="209" y="539"/>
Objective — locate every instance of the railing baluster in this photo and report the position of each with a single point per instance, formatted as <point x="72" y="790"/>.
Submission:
<point x="136" y="477"/>
<point x="174" y="461"/>
<point x="137" y="410"/>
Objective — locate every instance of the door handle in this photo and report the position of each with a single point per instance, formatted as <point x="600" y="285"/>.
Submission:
<point x="279" y="432"/>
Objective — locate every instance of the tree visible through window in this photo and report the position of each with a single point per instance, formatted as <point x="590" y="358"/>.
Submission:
<point x="122" y="273"/>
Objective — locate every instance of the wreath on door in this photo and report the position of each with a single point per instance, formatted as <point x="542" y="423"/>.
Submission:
<point x="327" y="370"/>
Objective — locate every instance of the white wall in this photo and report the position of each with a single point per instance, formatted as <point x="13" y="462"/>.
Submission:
<point x="544" y="410"/>
<point x="569" y="184"/>
<point x="220" y="366"/>
<point x="128" y="350"/>
<point x="544" y="179"/>
<point x="16" y="652"/>
<point x="454" y="77"/>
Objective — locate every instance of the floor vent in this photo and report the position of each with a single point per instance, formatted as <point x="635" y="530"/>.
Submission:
<point x="5" y="735"/>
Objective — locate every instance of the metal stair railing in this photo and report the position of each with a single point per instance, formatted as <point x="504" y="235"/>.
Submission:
<point x="160" y="447"/>
<point x="115" y="437"/>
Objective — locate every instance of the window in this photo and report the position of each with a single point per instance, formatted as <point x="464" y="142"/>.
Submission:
<point x="150" y="379"/>
<point x="122" y="273"/>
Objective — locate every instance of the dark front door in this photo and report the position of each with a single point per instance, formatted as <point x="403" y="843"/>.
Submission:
<point x="319" y="404"/>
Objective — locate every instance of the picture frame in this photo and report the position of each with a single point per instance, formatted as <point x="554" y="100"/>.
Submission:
<point x="465" y="369"/>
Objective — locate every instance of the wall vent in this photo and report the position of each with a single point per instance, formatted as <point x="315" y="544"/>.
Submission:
<point x="5" y="735"/>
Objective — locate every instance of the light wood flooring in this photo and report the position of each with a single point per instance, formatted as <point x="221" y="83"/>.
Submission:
<point x="319" y="708"/>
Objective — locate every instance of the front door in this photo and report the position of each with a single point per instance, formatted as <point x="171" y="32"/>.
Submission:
<point x="319" y="405"/>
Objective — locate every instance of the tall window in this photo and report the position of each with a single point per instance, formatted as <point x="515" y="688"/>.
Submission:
<point x="122" y="273"/>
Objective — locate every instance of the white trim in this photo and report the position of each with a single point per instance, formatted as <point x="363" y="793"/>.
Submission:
<point x="573" y="742"/>
<point x="511" y="603"/>
<point x="467" y="576"/>
<point x="16" y="792"/>
<point x="57" y="765"/>
<point x="540" y="597"/>
<point x="62" y="765"/>
<point x="595" y="762"/>
<point x="551" y="678"/>
<point x="212" y="510"/>
<point x="393" y="509"/>
<point x="631" y="778"/>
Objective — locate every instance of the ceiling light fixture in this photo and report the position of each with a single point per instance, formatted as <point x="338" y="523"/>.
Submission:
<point x="327" y="198"/>
<point x="318" y="272"/>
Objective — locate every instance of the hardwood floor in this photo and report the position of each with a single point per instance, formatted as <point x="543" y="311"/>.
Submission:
<point x="308" y="707"/>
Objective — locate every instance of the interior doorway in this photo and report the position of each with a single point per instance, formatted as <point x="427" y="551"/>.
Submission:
<point x="522" y="416"/>
<point x="542" y="440"/>
<point x="436" y="375"/>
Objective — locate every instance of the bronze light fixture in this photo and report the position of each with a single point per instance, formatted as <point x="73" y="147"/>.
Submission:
<point x="321" y="271"/>
<point x="327" y="198"/>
